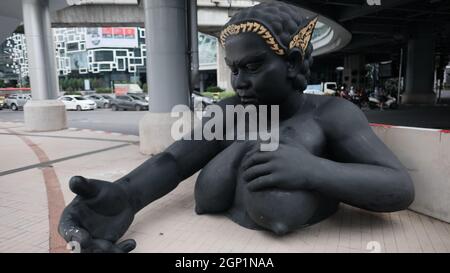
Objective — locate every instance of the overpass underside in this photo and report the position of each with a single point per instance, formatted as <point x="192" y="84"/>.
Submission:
<point x="414" y="34"/>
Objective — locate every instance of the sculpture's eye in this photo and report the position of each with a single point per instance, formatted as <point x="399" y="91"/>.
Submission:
<point x="234" y="70"/>
<point x="253" y="67"/>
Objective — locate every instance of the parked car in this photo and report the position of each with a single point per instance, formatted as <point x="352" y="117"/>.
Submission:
<point x="141" y="95"/>
<point x="314" y="89"/>
<point x="199" y="102"/>
<point x="108" y="97"/>
<point x="324" y="88"/>
<point x="129" y="102"/>
<point x="16" y="101"/>
<point x="77" y="103"/>
<point x="99" y="100"/>
<point x="2" y="102"/>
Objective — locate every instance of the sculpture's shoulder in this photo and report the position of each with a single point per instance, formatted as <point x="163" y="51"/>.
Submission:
<point x="336" y="114"/>
<point x="333" y="105"/>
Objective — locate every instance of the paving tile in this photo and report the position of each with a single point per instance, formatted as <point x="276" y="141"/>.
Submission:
<point x="170" y="223"/>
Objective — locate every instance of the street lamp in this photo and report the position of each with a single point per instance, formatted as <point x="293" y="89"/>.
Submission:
<point x="339" y="71"/>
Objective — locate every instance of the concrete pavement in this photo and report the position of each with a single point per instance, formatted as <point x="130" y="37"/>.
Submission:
<point x="35" y="169"/>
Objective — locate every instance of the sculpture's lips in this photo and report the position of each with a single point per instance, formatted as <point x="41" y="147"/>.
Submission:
<point x="248" y="99"/>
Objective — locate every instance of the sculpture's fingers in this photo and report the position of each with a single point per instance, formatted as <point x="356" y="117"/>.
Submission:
<point x="70" y="230"/>
<point x="127" y="245"/>
<point x="256" y="158"/>
<point x="256" y="171"/>
<point x="103" y="246"/>
<point x="261" y="183"/>
<point x="83" y="187"/>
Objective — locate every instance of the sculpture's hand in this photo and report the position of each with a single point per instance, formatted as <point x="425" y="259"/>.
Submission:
<point x="288" y="168"/>
<point x="98" y="216"/>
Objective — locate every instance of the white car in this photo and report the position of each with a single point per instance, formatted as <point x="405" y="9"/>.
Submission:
<point x="16" y="101"/>
<point x="314" y="89"/>
<point x="99" y="100"/>
<point x="325" y="88"/>
<point x="199" y="102"/>
<point x="77" y="103"/>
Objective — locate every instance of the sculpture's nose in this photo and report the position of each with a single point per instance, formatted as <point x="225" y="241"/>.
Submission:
<point x="242" y="85"/>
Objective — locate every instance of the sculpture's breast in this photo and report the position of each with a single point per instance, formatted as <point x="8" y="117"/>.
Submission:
<point x="303" y="130"/>
<point x="215" y="188"/>
<point x="216" y="183"/>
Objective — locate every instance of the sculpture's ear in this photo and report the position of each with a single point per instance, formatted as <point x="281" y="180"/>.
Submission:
<point x="294" y="59"/>
<point x="298" y="47"/>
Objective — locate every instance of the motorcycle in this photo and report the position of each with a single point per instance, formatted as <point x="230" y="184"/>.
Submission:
<point x="357" y="100"/>
<point x="386" y="102"/>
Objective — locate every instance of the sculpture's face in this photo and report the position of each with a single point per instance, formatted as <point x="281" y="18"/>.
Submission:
<point x="259" y="76"/>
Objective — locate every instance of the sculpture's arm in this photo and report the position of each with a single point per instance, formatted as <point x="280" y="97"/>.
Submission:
<point x="163" y="172"/>
<point x="102" y="212"/>
<point x="362" y="171"/>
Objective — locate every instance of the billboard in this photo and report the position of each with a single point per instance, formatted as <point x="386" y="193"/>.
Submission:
<point x="78" y="60"/>
<point x="117" y="37"/>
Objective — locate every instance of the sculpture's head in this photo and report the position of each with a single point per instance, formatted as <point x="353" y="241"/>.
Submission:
<point x="268" y="50"/>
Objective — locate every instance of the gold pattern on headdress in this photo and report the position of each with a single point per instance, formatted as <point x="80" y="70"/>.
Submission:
<point x="300" y="40"/>
<point x="256" y="27"/>
<point x="303" y="37"/>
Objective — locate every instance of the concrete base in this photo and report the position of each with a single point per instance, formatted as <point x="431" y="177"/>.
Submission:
<point x="427" y="98"/>
<point x="45" y="115"/>
<point x="425" y="154"/>
<point x="155" y="130"/>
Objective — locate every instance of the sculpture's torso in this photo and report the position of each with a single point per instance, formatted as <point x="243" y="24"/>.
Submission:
<point x="220" y="188"/>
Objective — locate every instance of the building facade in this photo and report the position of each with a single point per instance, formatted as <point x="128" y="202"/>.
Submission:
<point x="110" y="53"/>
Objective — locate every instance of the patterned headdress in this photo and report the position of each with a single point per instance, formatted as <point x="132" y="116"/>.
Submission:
<point x="299" y="40"/>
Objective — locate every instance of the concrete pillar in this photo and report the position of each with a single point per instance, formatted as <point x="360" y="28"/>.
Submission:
<point x="353" y="74"/>
<point x="223" y="71"/>
<point x="420" y="68"/>
<point x="195" y="63"/>
<point x="42" y="113"/>
<point x="202" y="82"/>
<point x="167" y="70"/>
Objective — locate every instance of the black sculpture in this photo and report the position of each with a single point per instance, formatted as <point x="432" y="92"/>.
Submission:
<point x="327" y="152"/>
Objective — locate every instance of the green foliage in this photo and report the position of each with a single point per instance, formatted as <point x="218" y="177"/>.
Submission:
<point x="103" y="90"/>
<point x="73" y="93"/>
<point x="68" y="84"/>
<point x="218" y="95"/>
<point x="71" y="84"/>
<point x="227" y="94"/>
<point x="26" y="81"/>
<point x="79" y="84"/>
<point x="208" y="94"/>
<point x="96" y="83"/>
<point x="214" y="89"/>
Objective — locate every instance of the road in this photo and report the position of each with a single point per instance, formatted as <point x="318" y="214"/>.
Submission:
<point x="127" y="122"/>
